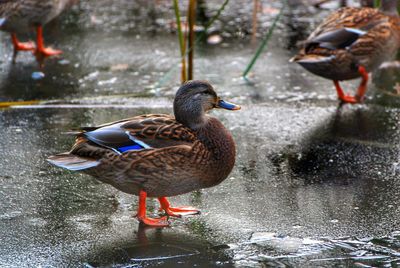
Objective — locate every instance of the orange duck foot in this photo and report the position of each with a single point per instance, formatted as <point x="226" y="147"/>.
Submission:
<point x="176" y="211"/>
<point x="41" y="52"/>
<point x="348" y="99"/>
<point x="362" y="88"/>
<point x="358" y="98"/>
<point x="141" y="214"/>
<point x="26" y="46"/>
<point x="181" y="211"/>
<point x="154" y="222"/>
<point x="47" y="52"/>
<point x="20" y="46"/>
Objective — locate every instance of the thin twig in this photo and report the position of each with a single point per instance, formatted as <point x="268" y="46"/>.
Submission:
<point x="6" y="104"/>
<point x="182" y="42"/>
<point x="255" y="21"/>
<point x="191" y="20"/>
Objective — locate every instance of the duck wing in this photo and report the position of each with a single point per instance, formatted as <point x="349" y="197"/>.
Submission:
<point x="336" y="39"/>
<point x="344" y="28"/>
<point x="141" y="132"/>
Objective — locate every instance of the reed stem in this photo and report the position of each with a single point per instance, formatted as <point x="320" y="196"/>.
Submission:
<point x="255" y="21"/>
<point x="182" y="42"/>
<point x="191" y="20"/>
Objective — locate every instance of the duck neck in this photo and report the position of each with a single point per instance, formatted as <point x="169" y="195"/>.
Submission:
<point x="389" y="7"/>
<point x="192" y="117"/>
<point x="217" y="139"/>
<point x="219" y="150"/>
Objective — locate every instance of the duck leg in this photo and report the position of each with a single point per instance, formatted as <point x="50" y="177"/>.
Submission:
<point x="19" y="46"/>
<point x="141" y="214"/>
<point x="41" y="51"/>
<point x="176" y="211"/>
<point x="362" y="88"/>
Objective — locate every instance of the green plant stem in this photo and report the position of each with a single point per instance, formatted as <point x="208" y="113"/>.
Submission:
<point x="264" y="42"/>
<point x="377" y="3"/>
<point x="216" y="16"/>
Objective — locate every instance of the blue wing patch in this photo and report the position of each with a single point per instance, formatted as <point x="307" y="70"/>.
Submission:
<point x="116" y="138"/>
<point x="137" y="144"/>
<point x="2" y="21"/>
<point x="129" y="148"/>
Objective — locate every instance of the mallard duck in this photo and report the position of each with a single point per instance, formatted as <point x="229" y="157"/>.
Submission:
<point x="18" y="16"/>
<point x="158" y="155"/>
<point x="350" y="43"/>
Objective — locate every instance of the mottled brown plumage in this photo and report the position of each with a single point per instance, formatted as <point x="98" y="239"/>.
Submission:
<point x="178" y="154"/>
<point x="351" y="38"/>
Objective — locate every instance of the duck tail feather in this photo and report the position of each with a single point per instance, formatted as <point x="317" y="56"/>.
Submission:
<point x="72" y="162"/>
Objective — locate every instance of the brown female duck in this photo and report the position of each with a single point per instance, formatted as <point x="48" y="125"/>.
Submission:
<point x="350" y="43"/>
<point x="21" y="15"/>
<point x="159" y="155"/>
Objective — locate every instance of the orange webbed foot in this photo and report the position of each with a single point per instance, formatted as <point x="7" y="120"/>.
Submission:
<point x="47" y="52"/>
<point x="349" y="99"/>
<point x="154" y="222"/>
<point x="358" y="98"/>
<point x="141" y="215"/>
<point x="24" y="46"/>
<point x="41" y="52"/>
<point x="21" y="46"/>
<point x="176" y="211"/>
<point x="181" y="211"/>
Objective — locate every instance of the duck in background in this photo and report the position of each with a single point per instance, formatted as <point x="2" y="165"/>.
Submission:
<point x="350" y="43"/>
<point x="17" y="16"/>
<point x="159" y="155"/>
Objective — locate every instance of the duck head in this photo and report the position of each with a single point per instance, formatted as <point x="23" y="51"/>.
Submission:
<point x="194" y="99"/>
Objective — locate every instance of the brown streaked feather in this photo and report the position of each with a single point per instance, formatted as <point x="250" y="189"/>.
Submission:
<point x="156" y="130"/>
<point x="338" y="60"/>
<point x="350" y="17"/>
<point x="159" y="127"/>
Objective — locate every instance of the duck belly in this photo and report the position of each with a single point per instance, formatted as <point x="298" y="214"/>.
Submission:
<point x="158" y="184"/>
<point x="32" y="13"/>
<point x="16" y="25"/>
<point x="331" y="67"/>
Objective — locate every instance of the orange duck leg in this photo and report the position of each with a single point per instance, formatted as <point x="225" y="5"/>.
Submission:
<point x="141" y="215"/>
<point x="176" y="211"/>
<point x="41" y="51"/>
<point x="362" y="88"/>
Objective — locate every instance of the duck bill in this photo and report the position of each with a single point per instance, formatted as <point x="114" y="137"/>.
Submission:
<point x="227" y="105"/>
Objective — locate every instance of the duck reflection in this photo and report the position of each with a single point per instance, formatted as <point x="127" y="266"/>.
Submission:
<point x="156" y="246"/>
<point x="354" y="142"/>
<point x="59" y="81"/>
